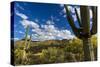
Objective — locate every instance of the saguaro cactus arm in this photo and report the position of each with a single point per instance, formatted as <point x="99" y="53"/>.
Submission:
<point x="71" y="22"/>
<point x="94" y="24"/>
<point x="78" y="19"/>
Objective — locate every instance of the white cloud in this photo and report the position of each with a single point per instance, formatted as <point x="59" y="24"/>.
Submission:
<point x="49" y="22"/>
<point x="23" y="16"/>
<point x="38" y="31"/>
<point x="49" y="32"/>
<point x="21" y="32"/>
<point x="49" y="28"/>
<point x="32" y="24"/>
<point x="63" y="34"/>
<point x="74" y="17"/>
<point x="64" y="10"/>
<point x="15" y="39"/>
<point x="26" y="22"/>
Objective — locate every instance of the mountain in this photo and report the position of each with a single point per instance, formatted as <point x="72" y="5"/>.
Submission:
<point x="41" y="43"/>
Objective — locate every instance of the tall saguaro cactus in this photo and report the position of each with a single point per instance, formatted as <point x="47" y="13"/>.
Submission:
<point x="24" y="49"/>
<point x="84" y="32"/>
<point x="26" y="45"/>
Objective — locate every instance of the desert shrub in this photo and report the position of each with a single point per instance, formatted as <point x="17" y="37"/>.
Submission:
<point x="44" y="56"/>
<point x="18" y="53"/>
<point x="56" y="52"/>
<point x="74" y="50"/>
<point x="52" y="55"/>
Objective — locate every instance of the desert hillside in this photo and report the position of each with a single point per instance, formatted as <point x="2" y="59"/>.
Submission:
<point x="52" y="51"/>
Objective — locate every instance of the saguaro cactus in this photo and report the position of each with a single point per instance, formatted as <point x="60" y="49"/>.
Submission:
<point x="26" y="45"/>
<point x="84" y="32"/>
<point x="24" y="49"/>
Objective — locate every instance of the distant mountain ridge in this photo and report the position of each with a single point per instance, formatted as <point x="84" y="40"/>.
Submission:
<point x="20" y="43"/>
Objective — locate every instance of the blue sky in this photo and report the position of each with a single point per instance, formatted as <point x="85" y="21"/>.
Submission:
<point x="46" y="21"/>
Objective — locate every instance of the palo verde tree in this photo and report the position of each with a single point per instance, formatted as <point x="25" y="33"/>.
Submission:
<point x="84" y="32"/>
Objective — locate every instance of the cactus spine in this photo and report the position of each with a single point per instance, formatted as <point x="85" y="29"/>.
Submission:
<point x="84" y="32"/>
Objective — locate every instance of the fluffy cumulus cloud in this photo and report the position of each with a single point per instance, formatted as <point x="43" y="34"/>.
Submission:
<point x="26" y="23"/>
<point x="23" y="16"/>
<point x="49" y="32"/>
